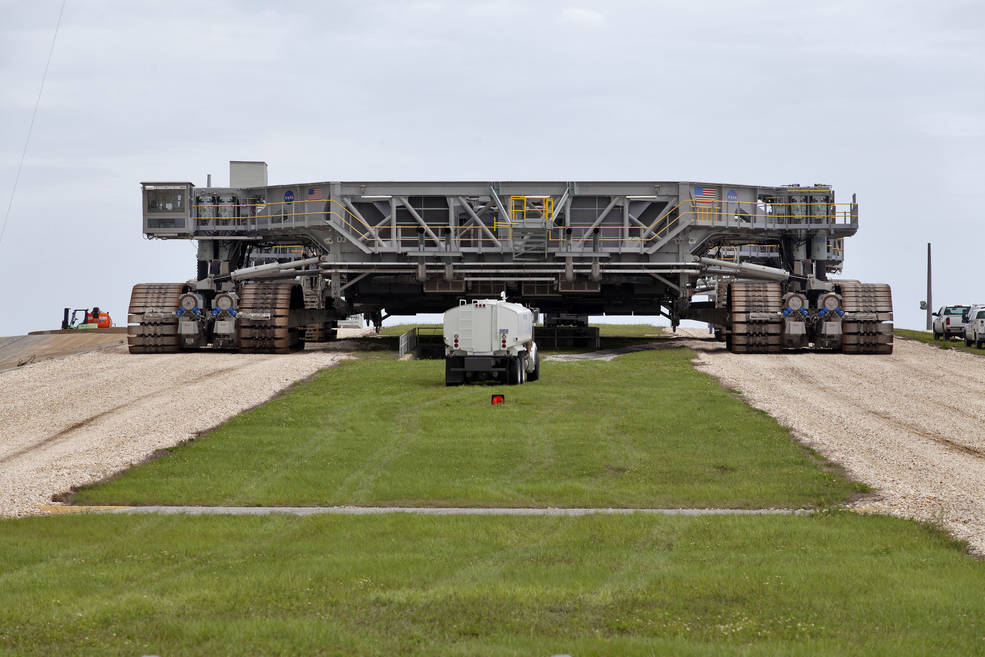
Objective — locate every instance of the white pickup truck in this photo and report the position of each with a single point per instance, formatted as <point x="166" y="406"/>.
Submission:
<point x="949" y="322"/>
<point x="974" y="328"/>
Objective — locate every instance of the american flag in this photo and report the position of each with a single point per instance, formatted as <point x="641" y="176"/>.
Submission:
<point x="314" y="194"/>
<point x="705" y="194"/>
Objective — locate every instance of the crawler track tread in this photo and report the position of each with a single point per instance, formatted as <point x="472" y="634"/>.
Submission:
<point x="153" y="326"/>
<point x="873" y="332"/>
<point x="755" y="323"/>
<point x="272" y="333"/>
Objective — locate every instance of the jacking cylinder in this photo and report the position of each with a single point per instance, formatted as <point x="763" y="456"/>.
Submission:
<point x="819" y="246"/>
<point x="192" y="322"/>
<point x="830" y="314"/>
<point x="794" y="315"/>
<point x="224" y="320"/>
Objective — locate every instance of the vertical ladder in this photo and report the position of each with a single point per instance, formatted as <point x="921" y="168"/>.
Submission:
<point x="313" y="299"/>
<point x="465" y="326"/>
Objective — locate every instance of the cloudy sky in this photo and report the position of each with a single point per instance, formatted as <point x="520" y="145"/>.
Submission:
<point x="885" y="99"/>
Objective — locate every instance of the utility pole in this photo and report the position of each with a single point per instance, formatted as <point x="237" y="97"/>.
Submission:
<point x="930" y="301"/>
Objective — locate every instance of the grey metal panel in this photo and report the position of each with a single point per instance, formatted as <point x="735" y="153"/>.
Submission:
<point x="247" y="174"/>
<point x="525" y="187"/>
<point x="638" y="234"/>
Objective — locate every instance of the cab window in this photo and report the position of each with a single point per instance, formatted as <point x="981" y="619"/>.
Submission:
<point x="165" y="200"/>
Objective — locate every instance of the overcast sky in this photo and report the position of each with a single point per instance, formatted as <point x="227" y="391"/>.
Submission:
<point x="885" y="99"/>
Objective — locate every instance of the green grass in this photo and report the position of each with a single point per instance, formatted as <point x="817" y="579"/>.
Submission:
<point x="645" y="430"/>
<point x="611" y="336"/>
<point x="631" y="331"/>
<point x="835" y="584"/>
<point x="928" y="338"/>
<point x="617" y="336"/>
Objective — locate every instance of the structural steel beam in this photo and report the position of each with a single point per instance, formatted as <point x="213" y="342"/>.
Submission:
<point x="477" y="220"/>
<point x="666" y="282"/>
<point x="605" y="212"/>
<point x="560" y="205"/>
<point x="354" y="281"/>
<point x="499" y="204"/>
<point x="403" y="200"/>
<point x="352" y="208"/>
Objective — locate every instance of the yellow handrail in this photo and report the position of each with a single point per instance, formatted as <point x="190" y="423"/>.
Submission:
<point x="698" y="212"/>
<point x="541" y="207"/>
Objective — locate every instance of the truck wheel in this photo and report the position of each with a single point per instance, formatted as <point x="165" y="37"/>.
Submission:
<point x="533" y="376"/>
<point x="521" y="370"/>
<point x="510" y="378"/>
<point x="453" y="378"/>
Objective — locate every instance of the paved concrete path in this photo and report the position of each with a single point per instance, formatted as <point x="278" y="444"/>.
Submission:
<point x="610" y="354"/>
<point x="424" y="510"/>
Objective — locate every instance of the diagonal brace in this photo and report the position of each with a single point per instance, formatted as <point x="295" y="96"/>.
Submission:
<point x="666" y="282"/>
<point x="605" y="212"/>
<point x="499" y="204"/>
<point x="559" y="206"/>
<point x="352" y="208"/>
<point x="475" y="217"/>
<point x="417" y="217"/>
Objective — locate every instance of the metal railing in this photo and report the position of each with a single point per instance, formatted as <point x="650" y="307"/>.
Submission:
<point x="531" y="209"/>
<point x="732" y="253"/>
<point x="421" y="338"/>
<point x="301" y="213"/>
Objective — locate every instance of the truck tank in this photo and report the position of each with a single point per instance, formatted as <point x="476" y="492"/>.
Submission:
<point x="490" y="339"/>
<point x="281" y="264"/>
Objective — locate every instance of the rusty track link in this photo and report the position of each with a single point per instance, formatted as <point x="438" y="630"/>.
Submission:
<point x="868" y="327"/>
<point x="755" y="317"/>
<point x="264" y="321"/>
<point x="153" y="326"/>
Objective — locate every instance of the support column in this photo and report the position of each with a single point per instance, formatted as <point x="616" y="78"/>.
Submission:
<point x="393" y="224"/>
<point x="930" y="291"/>
<point x="452" y="224"/>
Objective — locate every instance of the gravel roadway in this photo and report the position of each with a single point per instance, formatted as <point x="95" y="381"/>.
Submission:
<point x="21" y="350"/>
<point x="78" y="419"/>
<point x="911" y="425"/>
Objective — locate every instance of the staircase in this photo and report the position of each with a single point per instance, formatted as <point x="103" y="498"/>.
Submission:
<point x="529" y="243"/>
<point x="313" y="299"/>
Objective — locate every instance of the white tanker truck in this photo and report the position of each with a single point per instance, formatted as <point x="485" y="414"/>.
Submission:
<point x="492" y="340"/>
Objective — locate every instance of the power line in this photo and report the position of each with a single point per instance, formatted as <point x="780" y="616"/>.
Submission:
<point x="30" y="128"/>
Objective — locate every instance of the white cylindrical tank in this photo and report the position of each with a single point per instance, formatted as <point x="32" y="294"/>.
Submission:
<point x="487" y="327"/>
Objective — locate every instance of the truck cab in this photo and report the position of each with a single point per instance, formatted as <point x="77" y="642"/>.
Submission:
<point x="974" y="327"/>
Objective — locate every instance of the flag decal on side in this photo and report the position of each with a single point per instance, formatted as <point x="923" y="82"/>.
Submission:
<point x="705" y="194"/>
